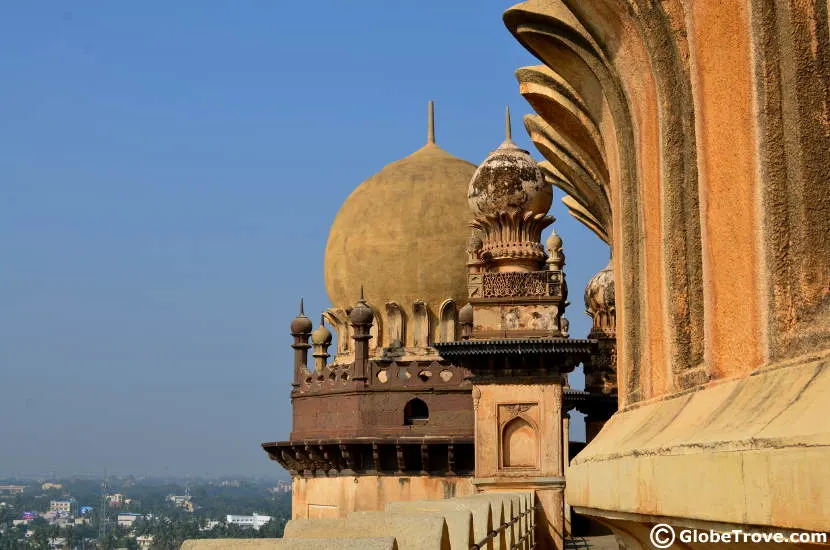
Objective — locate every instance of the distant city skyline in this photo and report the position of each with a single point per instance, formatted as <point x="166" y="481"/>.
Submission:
<point x="170" y="173"/>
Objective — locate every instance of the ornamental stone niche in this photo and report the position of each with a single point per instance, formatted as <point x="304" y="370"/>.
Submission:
<point x="519" y="440"/>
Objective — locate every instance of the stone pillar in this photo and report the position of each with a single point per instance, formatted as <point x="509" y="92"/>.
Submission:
<point x="361" y="318"/>
<point x="519" y="447"/>
<point x="300" y="330"/>
<point x="321" y="340"/>
<point x="566" y="459"/>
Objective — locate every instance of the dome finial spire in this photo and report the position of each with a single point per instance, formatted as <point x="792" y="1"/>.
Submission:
<point x="302" y="309"/>
<point x="508" y="132"/>
<point x="431" y="122"/>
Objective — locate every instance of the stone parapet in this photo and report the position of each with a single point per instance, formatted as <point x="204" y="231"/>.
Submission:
<point x="492" y="521"/>
<point x="375" y="543"/>
<point x="749" y="448"/>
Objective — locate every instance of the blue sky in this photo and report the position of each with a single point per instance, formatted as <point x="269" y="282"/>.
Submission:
<point x="168" y="175"/>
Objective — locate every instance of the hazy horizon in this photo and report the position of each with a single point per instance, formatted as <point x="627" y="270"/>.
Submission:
<point x="170" y="173"/>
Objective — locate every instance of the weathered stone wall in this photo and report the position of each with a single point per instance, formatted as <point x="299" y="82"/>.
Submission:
<point x="380" y="413"/>
<point x="695" y="136"/>
<point x="334" y="497"/>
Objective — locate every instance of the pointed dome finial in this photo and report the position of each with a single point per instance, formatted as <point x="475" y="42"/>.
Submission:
<point x="301" y="324"/>
<point x="508" y="132"/>
<point x="361" y="313"/>
<point x="431" y="122"/>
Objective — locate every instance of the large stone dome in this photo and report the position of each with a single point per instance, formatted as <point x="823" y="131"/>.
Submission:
<point x="402" y="236"/>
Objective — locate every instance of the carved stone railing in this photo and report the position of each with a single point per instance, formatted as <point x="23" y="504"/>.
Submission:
<point x="421" y="375"/>
<point x="418" y="374"/>
<point x="533" y="284"/>
<point x="501" y="531"/>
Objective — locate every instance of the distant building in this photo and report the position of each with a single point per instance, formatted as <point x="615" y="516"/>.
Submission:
<point x="281" y="487"/>
<point x="181" y="501"/>
<point x="126" y="519"/>
<point x="117" y="500"/>
<point x="144" y="541"/>
<point x="255" y="521"/>
<point x="65" y="506"/>
<point x="12" y="489"/>
<point x="49" y="485"/>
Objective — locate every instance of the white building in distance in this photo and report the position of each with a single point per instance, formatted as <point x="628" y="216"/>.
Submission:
<point x="255" y="521"/>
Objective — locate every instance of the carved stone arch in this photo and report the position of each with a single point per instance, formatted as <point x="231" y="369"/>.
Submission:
<point x="519" y="443"/>
<point x="420" y="324"/>
<point x="615" y="89"/>
<point x="448" y="322"/>
<point x="339" y="320"/>
<point x="395" y="324"/>
<point x="415" y="412"/>
<point x="376" y="330"/>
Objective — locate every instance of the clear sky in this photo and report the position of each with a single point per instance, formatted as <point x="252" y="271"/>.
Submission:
<point x="168" y="175"/>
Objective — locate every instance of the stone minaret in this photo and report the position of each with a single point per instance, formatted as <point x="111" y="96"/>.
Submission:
<point x="513" y="336"/>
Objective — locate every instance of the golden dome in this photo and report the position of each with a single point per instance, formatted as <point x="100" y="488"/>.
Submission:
<point x="402" y="236"/>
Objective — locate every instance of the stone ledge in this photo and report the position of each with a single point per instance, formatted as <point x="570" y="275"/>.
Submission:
<point x="423" y="532"/>
<point x="375" y="543"/>
<point x="751" y="448"/>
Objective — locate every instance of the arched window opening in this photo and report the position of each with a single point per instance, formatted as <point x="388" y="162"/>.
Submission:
<point x="415" y="413"/>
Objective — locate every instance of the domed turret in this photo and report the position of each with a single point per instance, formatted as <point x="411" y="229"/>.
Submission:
<point x="401" y="233"/>
<point x="361" y="313"/>
<point x="508" y="180"/>
<point x="321" y="335"/>
<point x="301" y="324"/>
<point x="510" y="199"/>
<point x="600" y="303"/>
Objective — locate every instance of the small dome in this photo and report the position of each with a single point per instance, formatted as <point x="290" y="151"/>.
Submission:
<point x="599" y="294"/>
<point x="554" y="242"/>
<point x="475" y="243"/>
<point x="509" y="179"/>
<point x="322" y="335"/>
<point x="361" y="314"/>
<point x="465" y="315"/>
<point x="301" y="324"/>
